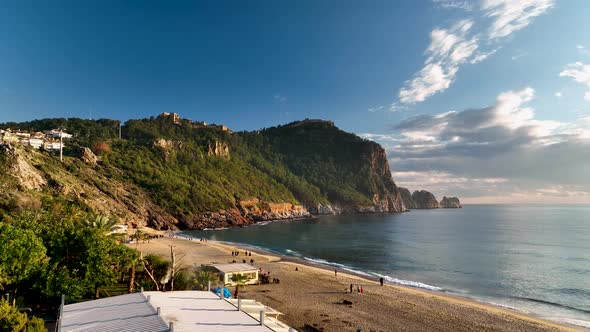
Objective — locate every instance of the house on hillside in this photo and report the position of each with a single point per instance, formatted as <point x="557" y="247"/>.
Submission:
<point x="36" y="143"/>
<point x="57" y="134"/>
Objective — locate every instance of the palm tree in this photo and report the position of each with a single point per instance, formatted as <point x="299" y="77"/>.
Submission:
<point x="240" y="280"/>
<point x="99" y="221"/>
<point x="204" y="278"/>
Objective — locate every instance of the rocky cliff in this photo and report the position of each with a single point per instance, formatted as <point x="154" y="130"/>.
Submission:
<point x="450" y="202"/>
<point x="170" y="176"/>
<point x="423" y="199"/>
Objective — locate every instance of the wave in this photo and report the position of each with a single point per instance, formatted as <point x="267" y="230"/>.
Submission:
<point x="410" y="283"/>
<point x="554" y="304"/>
<point x="570" y="321"/>
<point x="338" y="265"/>
<point x="374" y="275"/>
<point x="495" y="304"/>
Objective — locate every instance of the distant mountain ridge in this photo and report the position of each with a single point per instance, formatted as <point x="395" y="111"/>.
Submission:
<point x="172" y="173"/>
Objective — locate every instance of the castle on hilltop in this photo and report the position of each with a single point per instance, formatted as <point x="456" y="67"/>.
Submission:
<point x="175" y="118"/>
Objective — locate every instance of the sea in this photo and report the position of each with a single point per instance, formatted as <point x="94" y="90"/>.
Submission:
<point x="534" y="259"/>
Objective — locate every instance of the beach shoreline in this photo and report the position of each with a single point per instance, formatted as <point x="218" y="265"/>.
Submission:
<point x="376" y="308"/>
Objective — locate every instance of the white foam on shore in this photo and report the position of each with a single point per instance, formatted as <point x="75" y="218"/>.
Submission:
<point x="338" y="265"/>
<point x="505" y="306"/>
<point x="570" y="321"/>
<point x="410" y="283"/>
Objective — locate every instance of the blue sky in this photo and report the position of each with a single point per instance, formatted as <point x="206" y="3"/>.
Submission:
<point x="370" y="66"/>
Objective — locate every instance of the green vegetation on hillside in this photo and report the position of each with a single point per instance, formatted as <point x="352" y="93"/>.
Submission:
<point x="187" y="168"/>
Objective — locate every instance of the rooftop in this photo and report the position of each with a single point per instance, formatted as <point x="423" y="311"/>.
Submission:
<point x="187" y="310"/>
<point x="234" y="267"/>
<point x="129" y="312"/>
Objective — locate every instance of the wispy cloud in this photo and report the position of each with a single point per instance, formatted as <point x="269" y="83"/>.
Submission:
<point x="448" y="49"/>
<point x="454" y="4"/>
<point x="512" y="15"/>
<point x="278" y="98"/>
<point x="558" y="94"/>
<point x="479" y="57"/>
<point x="518" y="55"/>
<point x="460" y="44"/>
<point x="580" y="72"/>
<point x="376" y="108"/>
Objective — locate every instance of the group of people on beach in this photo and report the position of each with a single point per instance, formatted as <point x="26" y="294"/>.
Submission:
<point x="237" y="253"/>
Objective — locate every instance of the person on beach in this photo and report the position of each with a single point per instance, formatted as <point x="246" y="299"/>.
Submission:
<point x="335" y="273"/>
<point x="381" y="281"/>
<point x="350" y="288"/>
<point x="358" y="288"/>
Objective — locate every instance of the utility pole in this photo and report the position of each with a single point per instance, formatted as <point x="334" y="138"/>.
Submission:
<point x="119" y="129"/>
<point x="61" y="145"/>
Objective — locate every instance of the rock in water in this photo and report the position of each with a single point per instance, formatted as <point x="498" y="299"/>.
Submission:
<point x="450" y="202"/>
<point x="406" y="198"/>
<point x="424" y="200"/>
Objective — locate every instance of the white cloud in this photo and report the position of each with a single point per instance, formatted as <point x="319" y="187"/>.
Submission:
<point x="448" y="49"/>
<point x="512" y="15"/>
<point x="279" y="98"/>
<point x="558" y="94"/>
<point x="479" y="57"/>
<point x="453" y="4"/>
<point x="580" y="72"/>
<point x="490" y="152"/>
<point x="518" y="55"/>
<point x="376" y="109"/>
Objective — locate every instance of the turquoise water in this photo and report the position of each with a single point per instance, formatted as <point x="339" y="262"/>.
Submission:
<point x="535" y="259"/>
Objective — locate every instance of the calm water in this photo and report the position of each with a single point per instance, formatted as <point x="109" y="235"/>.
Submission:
<point x="535" y="259"/>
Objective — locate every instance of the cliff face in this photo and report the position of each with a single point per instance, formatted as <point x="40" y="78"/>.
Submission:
<point x="450" y="202"/>
<point x="351" y="173"/>
<point x="424" y="200"/>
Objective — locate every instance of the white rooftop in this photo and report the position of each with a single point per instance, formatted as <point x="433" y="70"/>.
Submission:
<point x="234" y="267"/>
<point x="202" y="311"/>
<point x="187" y="310"/>
<point x="129" y="312"/>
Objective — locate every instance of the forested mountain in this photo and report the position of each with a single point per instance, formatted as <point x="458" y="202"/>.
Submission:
<point x="169" y="172"/>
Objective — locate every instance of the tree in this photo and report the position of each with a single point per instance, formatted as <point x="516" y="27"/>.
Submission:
<point x="23" y="254"/>
<point x="155" y="268"/>
<point x="204" y="278"/>
<point x="99" y="221"/>
<point x="240" y="280"/>
<point x="82" y="261"/>
<point x="12" y="320"/>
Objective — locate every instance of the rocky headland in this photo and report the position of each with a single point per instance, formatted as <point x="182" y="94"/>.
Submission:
<point x="173" y="174"/>
<point x="422" y="199"/>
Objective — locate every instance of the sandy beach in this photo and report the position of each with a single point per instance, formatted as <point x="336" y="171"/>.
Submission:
<point x="314" y="296"/>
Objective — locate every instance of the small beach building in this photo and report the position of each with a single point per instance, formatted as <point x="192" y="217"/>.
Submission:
<point x="175" y="311"/>
<point x="226" y="271"/>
